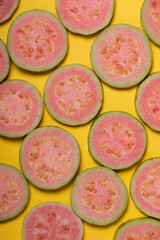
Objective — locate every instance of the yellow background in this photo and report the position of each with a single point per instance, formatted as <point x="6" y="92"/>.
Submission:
<point x="126" y="11"/>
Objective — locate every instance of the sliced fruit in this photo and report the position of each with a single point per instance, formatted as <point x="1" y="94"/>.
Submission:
<point x="52" y="220"/>
<point x="145" y="187"/>
<point x="121" y="55"/>
<point x="37" y="41"/>
<point x="148" y="101"/>
<point x="49" y="157"/>
<point x="150" y="19"/>
<point x="139" y="229"/>
<point x="21" y="108"/>
<point x="7" y="9"/>
<point x="14" y="192"/>
<point x="4" y="61"/>
<point x="117" y="140"/>
<point x="99" y="196"/>
<point x="85" y="17"/>
<point x="73" y="94"/>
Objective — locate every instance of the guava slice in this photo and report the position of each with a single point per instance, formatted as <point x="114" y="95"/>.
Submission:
<point x="99" y="196"/>
<point x="4" y="61"/>
<point x="145" y="187"/>
<point x="37" y="41"/>
<point x="7" y="9"/>
<point x="73" y="94"/>
<point x="139" y="229"/>
<point x="148" y="101"/>
<point x="85" y="17"/>
<point x="117" y="140"/>
<point x="49" y="157"/>
<point x="52" y="220"/>
<point x="121" y="55"/>
<point x="14" y="192"/>
<point x="21" y="108"/>
<point x="150" y="19"/>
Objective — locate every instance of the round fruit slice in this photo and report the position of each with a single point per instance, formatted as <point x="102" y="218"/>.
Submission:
<point x="85" y="17"/>
<point x="145" y="187"/>
<point x="148" y="101"/>
<point x="121" y="55"/>
<point x="139" y="229"/>
<point x="52" y="220"/>
<point x="7" y="9"/>
<point x="150" y="19"/>
<point x="4" y="61"/>
<point x="14" y="192"/>
<point x="37" y="41"/>
<point x="49" y="157"/>
<point x="99" y="196"/>
<point x="117" y="140"/>
<point x="73" y="94"/>
<point x="21" y="108"/>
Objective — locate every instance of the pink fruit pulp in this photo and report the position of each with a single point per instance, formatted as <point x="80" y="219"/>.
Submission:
<point x="52" y="221"/>
<point x="7" y="7"/>
<point x="85" y="16"/>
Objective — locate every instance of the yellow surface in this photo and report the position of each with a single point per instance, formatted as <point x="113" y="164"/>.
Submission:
<point x="126" y="11"/>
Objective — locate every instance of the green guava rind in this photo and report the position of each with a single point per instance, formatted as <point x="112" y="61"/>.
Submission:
<point x="87" y="218"/>
<point x="84" y="32"/>
<point x="27" y="67"/>
<point x="94" y="155"/>
<point x="45" y="204"/>
<point x="62" y="119"/>
<point x="109" y="81"/>
<point x="133" y="193"/>
<point x="138" y="92"/>
<point x="27" y="193"/>
<point x="11" y="12"/>
<point x="145" y="26"/>
<point x="5" y="52"/>
<point x="39" y="116"/>
<point x="134" y="222"/>
<point x="21" y="158"/>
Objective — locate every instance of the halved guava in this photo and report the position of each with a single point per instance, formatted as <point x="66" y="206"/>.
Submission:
<point x="73" y="94"/>
<point x="21" y="108"/>
<point x="4" y="61"/>
<point x="99" y="196"/>
<point x="7" y="9"/>
<point x="139" y="229"/>
<point x="117" y="140"/>
<point x="14" y="192"/>
<point x="148" y="101"/>
<point x="37" y="41"/>
<point x="85" y="17"/>
<point x="121" y="55"/>
<point x="150" y="19"/>
<point x="49" y="157"/>
<point x="145" y="187"/>
<point x="52" y="220"/>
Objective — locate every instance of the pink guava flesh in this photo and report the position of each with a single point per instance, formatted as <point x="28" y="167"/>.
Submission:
<point x="37" y="41"/>
<point x="99" y="196"/>
<point x="85" y="17"/>
<point x="52" y="220"/>
<point x="73" y="94"/>
<point x="150" y="19"/>
<point x="21" y="108"/>
<point x="7" y="8"/>
<point x="49" y="157"/>
<point x="121" y="55"/>
<point x="4" y="61"/>
<point x="14" y="192"/>
<point x="145" y="187"/>
<point x="148" y="101"/>
<point x="138" y="229"/>
<point x="117" y="140"/>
